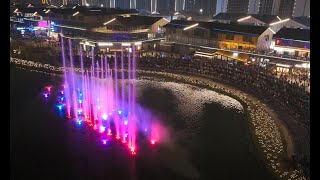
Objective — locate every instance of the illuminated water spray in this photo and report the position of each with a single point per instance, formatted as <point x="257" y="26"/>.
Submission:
<point x="98" y="98"/>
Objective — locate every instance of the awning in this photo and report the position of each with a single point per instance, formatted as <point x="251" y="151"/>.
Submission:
<point x="236" y="56"/>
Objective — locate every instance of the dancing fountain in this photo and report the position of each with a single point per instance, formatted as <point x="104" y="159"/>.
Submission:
<point x="98" y="98"/>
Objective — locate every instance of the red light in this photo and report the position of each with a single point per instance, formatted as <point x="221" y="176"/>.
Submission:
<point x="277" y="41"/>
<point x="117" y="137"/>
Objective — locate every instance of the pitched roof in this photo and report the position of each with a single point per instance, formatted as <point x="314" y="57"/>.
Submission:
<point x="229" y="16"/>
<point x="215" y="26"/>
<point x="93" y="11"/>
<point x="236" y="16"/>
<point x="294" y="34"/>
<point x="304" y="20"/>
<point x="138" y="20"/>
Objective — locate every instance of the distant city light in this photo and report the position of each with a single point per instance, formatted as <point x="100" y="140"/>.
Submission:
<point x="242" y="19"/>
<point x="75" y="13"/>
<point x="285" y="20"/>
<point x="109" y="21"/>
<point x="189" y="27"/>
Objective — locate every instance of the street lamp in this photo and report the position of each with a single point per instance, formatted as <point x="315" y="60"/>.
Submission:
<point x="201" y="10"/>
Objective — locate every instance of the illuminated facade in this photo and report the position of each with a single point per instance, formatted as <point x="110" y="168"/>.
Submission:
<point x="220" y="36"/>
<point x="292" y="43"/>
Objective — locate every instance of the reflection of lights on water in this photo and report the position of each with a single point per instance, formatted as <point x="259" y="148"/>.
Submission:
<point x="145" y="129"/>
<point x="119" y="112"/>
<point x="125" y="122"/>
<point x="99" y="107"/>
<point x="79" y="122"/>
<point x="109" y="132"/>
<point x="80" y="101"/>
<point x="45" y="95"/>
<point x="79" y="111"/>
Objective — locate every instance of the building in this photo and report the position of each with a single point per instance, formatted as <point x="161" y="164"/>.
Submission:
<point x="243" y="6"/>
<point x="219" y="37"/>
<point x="269" y="7"/>
<point x="221" y="6"/>
<point x="286" y="8"/>
<point x="292" y="43"/>
<point x="302" y="8"/>
<point x="272" y="21"/>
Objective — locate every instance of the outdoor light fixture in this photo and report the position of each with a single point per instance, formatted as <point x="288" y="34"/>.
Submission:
<point x="125" y="44"/>
<point x="278" y="18"/>
<point x="47" y="11"/>
<point x="272" y="31"/>
<point x="285" y="20"/>
<point x="75" y="13"/>
<point x="242" y="19"/>
<point x="35" y="13"/>
<point x="109" y="21"/>
<point x="189" y="27"/>
<point x="105" y="44"/>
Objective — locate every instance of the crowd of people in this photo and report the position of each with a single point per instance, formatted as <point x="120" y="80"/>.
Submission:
<point x="253" y="79"/>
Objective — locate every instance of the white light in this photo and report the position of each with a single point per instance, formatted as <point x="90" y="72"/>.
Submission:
<point x="109" y="21"/>
<point x="75" y="13"/>
<point x="71" y="27"/>
<point x="235" y="54"/>
<point x="35" y="13"/>
<point x="176" y="13"/>
<point x="272" y="31"/>
<point x="101" y="5"/>
<point x="283" y="65"/>
<point x="125" y="44"/>
<point x="87" y="4"/>
<point x="201" y="10"/>
<point x="285" y="20"/>
<point x="138" y="43"/>
<point x="192" y="26"/>
<point x="199" y="52"/>
<point x="15" y="10"/>
<point x="130" y="50"/>
<point x="242" y="19"/>
<point x="47" y="11"/>
<point x="278" y="18"/>
<point x="283" y="49"/>
<point x="105" y="44"/>
<point x="201" y="55"/>
<point x="74" y="7"/>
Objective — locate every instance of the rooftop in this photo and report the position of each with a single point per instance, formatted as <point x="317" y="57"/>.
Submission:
<point x="215" y="26"/>
<point x="138" y="20"/>
<point x="236" y="16"/>
<point x="294" y="34"/>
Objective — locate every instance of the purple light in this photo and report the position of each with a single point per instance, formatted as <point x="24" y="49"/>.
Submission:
<point x="99" y="107"/>
<point x="45" y="95"/>
<point x="61" y="92"/>
<point x="125" y="122"/>
<point x="43" y="24"/>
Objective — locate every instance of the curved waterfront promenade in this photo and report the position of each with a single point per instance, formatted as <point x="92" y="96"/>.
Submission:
<point x="267" y="129"/>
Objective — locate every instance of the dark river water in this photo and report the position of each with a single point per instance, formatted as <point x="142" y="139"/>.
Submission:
<point x="44" y="146"/>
